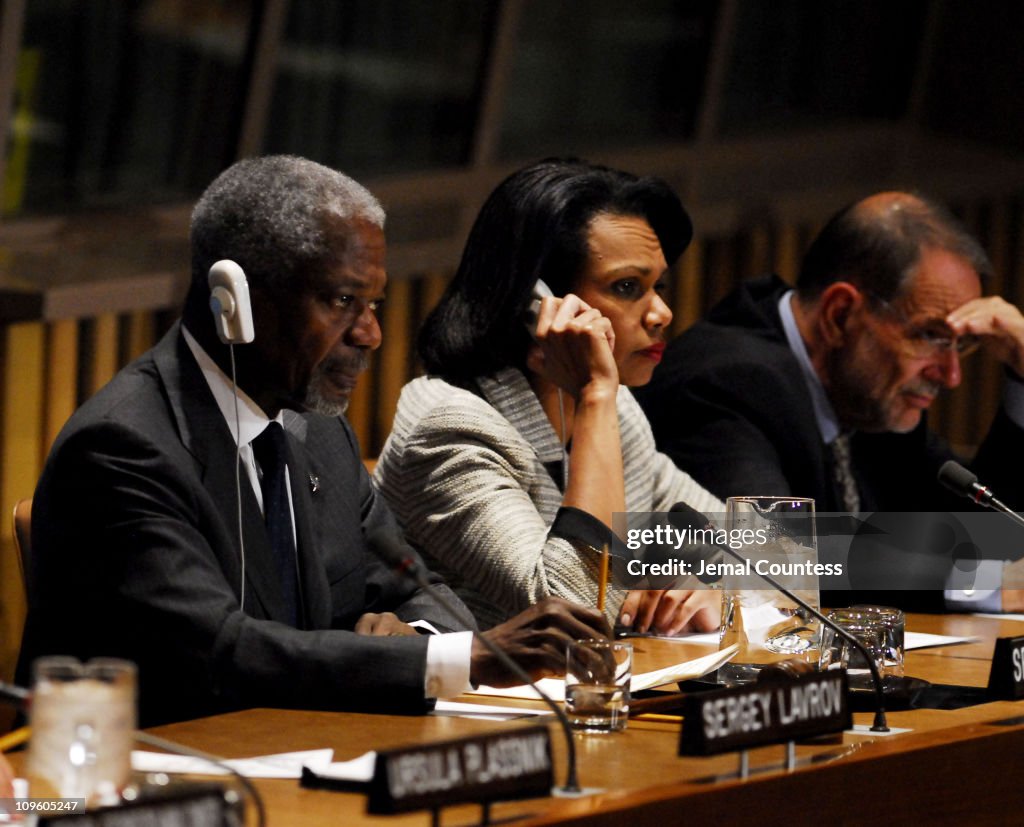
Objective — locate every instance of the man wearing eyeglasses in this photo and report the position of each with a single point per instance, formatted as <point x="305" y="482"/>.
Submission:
<point x="822" y="391"/>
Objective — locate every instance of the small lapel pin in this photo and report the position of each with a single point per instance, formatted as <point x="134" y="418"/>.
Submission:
<point x="314" y="483"/>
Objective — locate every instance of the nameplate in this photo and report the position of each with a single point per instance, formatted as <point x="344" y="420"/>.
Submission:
<point x="499" y="766"/>
<point x="199" y="804"/>
<point x="770" y="712"/>
<point x="1006" y="677"/>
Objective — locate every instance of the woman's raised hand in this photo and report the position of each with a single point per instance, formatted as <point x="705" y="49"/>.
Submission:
<point x="575" y="346"/>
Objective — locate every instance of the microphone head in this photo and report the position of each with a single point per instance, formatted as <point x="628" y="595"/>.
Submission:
<point x="692" y="517"/>
<point x="389" y="548"/>
<point x="958" y="479"/>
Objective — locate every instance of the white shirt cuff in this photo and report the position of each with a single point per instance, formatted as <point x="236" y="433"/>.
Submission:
<point x="988" y="597"/>
<point x="448" y="658"/>
<point x="1013" y="398"/>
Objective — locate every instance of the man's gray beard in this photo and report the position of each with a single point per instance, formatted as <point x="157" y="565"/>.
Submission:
<point x="850" y="394"/>
<point x="316" y="401"/>
<point x="317" y="404"/>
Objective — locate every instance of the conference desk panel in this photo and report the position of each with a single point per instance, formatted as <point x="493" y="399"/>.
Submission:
<point x="955" y="767"/>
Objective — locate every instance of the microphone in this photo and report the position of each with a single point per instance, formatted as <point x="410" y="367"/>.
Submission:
<point x="398" y="557"/>
<point x="961" y="481"/>
<point x="697" y="521"/>
<point x="16" y="696"/>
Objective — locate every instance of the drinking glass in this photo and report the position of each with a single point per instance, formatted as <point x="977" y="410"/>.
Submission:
<point x="837" y="652"/>
<point x="879" y="629"/>
<point x="597" y="677"/>
<point x="83" y="723"/>
<point x="893" y="623"/>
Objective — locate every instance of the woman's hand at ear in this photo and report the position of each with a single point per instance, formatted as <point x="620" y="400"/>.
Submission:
<point x="575" y="345"/>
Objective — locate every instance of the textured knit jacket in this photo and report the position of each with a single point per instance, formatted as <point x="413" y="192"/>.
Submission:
<point x="475" y="479"/>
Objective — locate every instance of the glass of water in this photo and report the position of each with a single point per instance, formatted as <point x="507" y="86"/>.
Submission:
<point x="83" y="722"/>
<point x="597" y="677"/>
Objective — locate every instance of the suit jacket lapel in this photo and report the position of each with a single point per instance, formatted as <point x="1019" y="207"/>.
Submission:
<point x="314" y="593"/>
<point x="206" y="436"/>
<point x="819" y="459"/>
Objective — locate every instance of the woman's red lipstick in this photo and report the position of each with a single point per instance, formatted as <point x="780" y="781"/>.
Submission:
<point x="655" y="351"/>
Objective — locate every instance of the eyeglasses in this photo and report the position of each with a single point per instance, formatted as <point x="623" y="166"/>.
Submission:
<point x="928" y="338"/>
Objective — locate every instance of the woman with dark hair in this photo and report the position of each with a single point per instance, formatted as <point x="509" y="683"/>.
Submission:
<point x="507" y="461"/>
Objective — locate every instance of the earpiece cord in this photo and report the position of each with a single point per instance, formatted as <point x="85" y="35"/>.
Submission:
<point x="238" y="475"/>
<point x="565" y="453"/>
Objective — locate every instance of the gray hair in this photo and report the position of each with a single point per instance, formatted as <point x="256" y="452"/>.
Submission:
<point x="270" y="216"/>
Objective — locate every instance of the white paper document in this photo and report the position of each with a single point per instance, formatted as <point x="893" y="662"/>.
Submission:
<point x="485" y="712"/>
<point x="357" y="769"/>
<point x="688" y="671"/>
<point x="280" y="765"/>
<point x="1007" y="616"/>
<point x="923" y="640"/>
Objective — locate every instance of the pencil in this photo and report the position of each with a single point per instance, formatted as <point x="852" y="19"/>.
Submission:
<point x="655" y="716"/>
<point x="14" y="739"/>
<point x="602" y="583"/>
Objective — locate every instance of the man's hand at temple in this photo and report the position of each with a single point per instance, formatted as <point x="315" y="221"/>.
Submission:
<point x="999" y="324"/>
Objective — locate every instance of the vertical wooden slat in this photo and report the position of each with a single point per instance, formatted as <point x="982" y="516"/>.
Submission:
<point x="757" y="256"/>
<point x="432" y="290"/>
<point x="720" y="271"/>
<point x="787" y="252"/>
<point x="686" y="307"/>
<point x="140" y="334"/>
<point x="61" y="376"/>
<point x="394" y="357"/>
<point x="359" y="407"/>
<point x="21" y="439"/>
<point x="103" y="358"/>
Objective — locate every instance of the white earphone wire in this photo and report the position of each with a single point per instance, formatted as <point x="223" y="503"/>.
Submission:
<point x="238" y="476"/>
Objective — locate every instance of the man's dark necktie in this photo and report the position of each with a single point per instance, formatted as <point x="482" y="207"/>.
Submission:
<point x="843" y="472"/>
<point x="269" y="450"/>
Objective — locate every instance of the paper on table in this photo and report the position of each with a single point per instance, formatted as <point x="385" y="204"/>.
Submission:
<point x="357" y="769"/>
<point x="1007" y="616"/>
<point x="555" y="687"/>
<point x="486" y="712"/>
<point x="923" y="640"/>
<point x="683" y="671"/>
<point x="279" y="765"/>
<point x="693" y="637"/>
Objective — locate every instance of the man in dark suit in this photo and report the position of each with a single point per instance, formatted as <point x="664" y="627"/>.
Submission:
<point x="137" y="516"/>
<point x="822" y="391"/>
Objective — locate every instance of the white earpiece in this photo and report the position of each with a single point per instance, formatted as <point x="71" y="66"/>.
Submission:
<point x="229" y="301"/>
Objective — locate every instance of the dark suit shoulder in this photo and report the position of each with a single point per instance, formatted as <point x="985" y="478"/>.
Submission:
<point x="746" y="371"/>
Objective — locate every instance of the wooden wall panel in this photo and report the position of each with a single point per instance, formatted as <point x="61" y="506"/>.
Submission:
<point x="21" y="448"/>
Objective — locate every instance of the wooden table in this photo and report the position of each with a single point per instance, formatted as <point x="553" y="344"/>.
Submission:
<point x="955" y="767"/>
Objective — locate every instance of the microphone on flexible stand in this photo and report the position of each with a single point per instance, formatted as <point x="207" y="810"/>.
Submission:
<point x="397" y="556"/>
<point x="697" y="521"/>
<point x="965" y="483"/>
